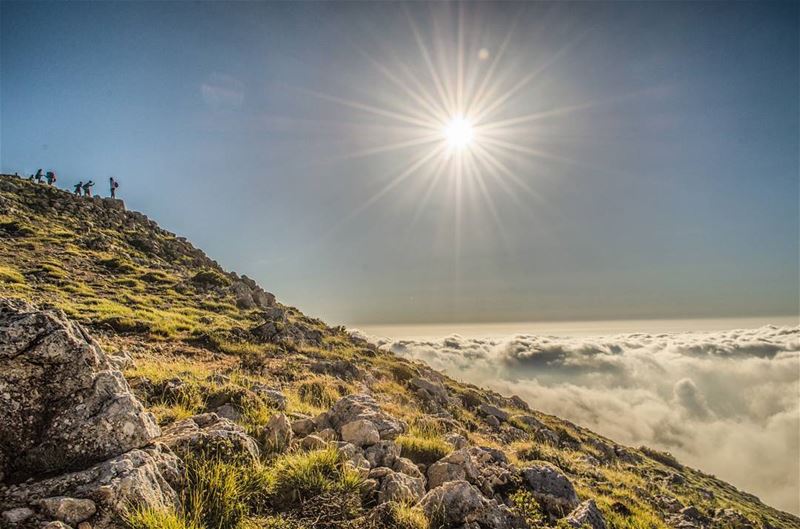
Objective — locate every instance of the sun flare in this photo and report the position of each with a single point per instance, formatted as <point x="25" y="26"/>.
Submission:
<point x="459" y="133"/>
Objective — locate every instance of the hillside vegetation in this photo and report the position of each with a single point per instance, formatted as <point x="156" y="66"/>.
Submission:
<point x="194" y="338"/>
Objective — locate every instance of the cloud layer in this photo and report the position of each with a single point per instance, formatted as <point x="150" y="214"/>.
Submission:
<point x="725" y="402"/>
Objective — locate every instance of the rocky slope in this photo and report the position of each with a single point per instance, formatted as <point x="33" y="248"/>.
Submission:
<point x="143" y="386"/>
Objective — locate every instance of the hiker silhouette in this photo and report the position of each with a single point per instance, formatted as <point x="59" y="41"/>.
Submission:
<point x="113" y="184"/>
<point x="87" y="188"/>
<point x="78" y="188"/>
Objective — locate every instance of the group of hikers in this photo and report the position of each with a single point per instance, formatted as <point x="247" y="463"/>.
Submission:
<point x="81" y="188"/>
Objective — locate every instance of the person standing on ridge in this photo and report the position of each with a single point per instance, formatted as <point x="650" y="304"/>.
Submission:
<point x="113" y="184"/>
<point x="78" y="187"/>
<point x="87" y="188"/>
<point x="39" y="176"/>
<point x="51" y="177"/>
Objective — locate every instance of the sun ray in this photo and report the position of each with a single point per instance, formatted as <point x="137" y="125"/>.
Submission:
<point x="372" y="109"/>
<point x="429" y="63"/>
<point x="500" y="100"/>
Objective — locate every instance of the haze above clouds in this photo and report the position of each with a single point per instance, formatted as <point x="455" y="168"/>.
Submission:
<point x="725" y="402"/>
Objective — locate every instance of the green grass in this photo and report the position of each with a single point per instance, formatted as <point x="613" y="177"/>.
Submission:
<point x="423" y="443"/>
<point x="297" y="477"/>
<point x="11" y="275"/>
<point x="319" y="392"/>
<point x="151" y="518"/>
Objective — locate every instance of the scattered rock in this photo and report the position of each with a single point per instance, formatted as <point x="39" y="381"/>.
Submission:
<point x="303" y="427"/>
<point x="361" y="406"/>
<point x="456" y="466"/>
<point x="14" y="516"/>
<point x="68" y="510"/>
<point x="401" y="488"/>
<point x="56" y="525"/>
<point x="493" y="411"/>
<point x="459" y="504"/>
<point x="360" y="432"/>
<point x="551" y="488"/>
<point x="146" y="476"/>
<point x="587" y="513"/>
<point x="382" y="454"/>
<point x="210" y="434"/>
<point x="312" y="442"/>
<point x="277" y="434"/>
<point x="274" y="398"/>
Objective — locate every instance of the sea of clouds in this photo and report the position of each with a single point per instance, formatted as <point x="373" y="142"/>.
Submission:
<point x="727" y="402"/>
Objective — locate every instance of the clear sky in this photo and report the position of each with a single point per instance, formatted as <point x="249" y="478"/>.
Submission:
<point x="626" y="160"/>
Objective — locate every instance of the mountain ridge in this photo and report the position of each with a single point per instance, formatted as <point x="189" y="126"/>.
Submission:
<point x="187" y="324"/>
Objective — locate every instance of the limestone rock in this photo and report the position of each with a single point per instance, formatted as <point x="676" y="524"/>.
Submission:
<point x="587" y="513"/>
<point x="274" y="398"/>
<point x="15" y="516"/>
<point x="401" y="488"/>
<point x="382" y="454"/>
<point x="303" y="427"/>
<point x="62" y="405"/>
<point x="551" y="488"/>
<point x="360" y="432"/>
<point x="361" y="406"/>
<point x="493" y="411"/>
<point x="277" y="434"/>
<point x="68" y="510"/>
<point x="459" y="504"/>
<point x="312" y="442"/>
<point x="210" y="434"/>
<point x="146" y="476"/>
<point x="456" y="466"/>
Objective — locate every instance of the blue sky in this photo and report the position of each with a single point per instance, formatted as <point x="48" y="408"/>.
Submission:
<point x="670" y="189"/>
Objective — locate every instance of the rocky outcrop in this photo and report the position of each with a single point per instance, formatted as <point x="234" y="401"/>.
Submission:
<point x="75" y="444"/>
<point x="551" y="488"/>
<point x="62" y="405"/>
<point x="459" y="504"/>
<point x="148" y="476"/>
<point x="363" y="407"/>
<point x="586" y="514"/>
<point x="210" y="435"/>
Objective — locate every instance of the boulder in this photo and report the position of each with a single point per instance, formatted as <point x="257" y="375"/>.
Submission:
<point x="62" y="405"/>
<point x="551" y="488"/>
<point x="456" y="466"/>
<point x="362" y="406"/>
<point x="71" y="511"/>
<point x="434" y="389"/>
<point x="586" y="514"/>
<point x="407" y="467"/>
<point x="382" y="454"/>
<point x="303" y="427"/>
<point x="210" y="434"/>
<point x="15" y="516"/>
<point x="146" y="476"/>
<point x="360" y="432"/>
<point x="274" y="398"/>
<point x="459" y="504"/>
<point x="401" y="488"/>
<point x="277" y="434"/>
<point x="312" y="442"/>
<point x="493" y="411"/>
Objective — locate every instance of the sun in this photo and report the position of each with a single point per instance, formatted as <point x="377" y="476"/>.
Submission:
<point x="459" y="132"/>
